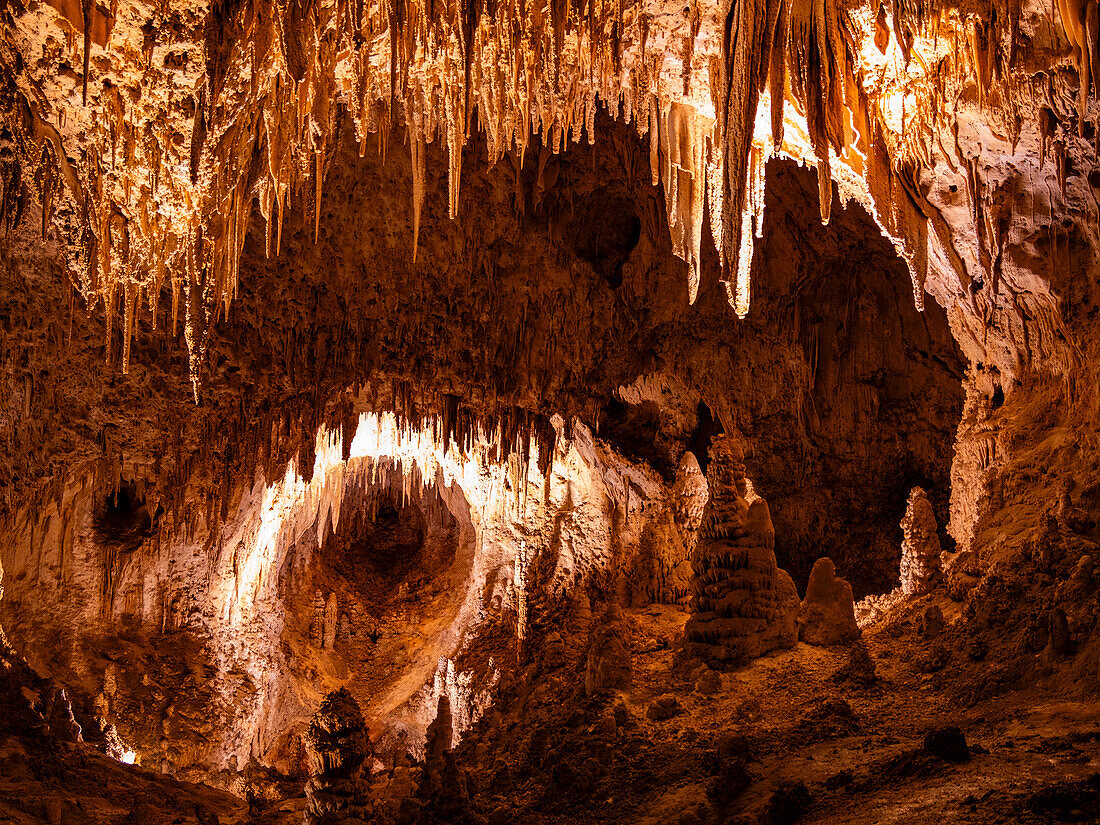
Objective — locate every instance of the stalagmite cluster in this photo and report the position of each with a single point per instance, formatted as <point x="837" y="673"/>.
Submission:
<point x="742" y="605"/>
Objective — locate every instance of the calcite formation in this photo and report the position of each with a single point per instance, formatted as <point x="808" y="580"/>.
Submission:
<point x="920" y="546"/>
<point x="743" y="605"/>
<point x="827" y="615"/>
<point x="146" y="135"/>
<point x="371" y="344"/>
<point x="689" y="498"/>
<point x="338" y="746"/>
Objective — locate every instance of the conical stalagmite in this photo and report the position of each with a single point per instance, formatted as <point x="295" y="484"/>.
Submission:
<point x="743" y="605"/>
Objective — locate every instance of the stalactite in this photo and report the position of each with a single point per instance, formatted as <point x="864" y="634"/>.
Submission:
<point x="259" y="119"/>
<point x="419" y="174"/>
<point x="683" y="136"/>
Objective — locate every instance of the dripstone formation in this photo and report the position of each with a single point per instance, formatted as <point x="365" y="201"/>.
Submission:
<point x="920" y="546"/>
<point x="743" y="605"/>
<point x="827" y="615"/>
<point x="338" y="745"/>
<point x="689" y="498"/>
<point x="671" y="544"/>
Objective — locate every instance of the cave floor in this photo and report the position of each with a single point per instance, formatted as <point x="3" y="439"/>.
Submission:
<point x="80" y="785"/>
<point x="856" y="749"/>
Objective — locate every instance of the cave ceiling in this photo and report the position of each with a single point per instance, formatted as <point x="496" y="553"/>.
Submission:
<point x="492" y="213"/>
<point x="147" y="133"/>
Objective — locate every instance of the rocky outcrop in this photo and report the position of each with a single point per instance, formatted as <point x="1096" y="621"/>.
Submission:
<point x="742" y="605"/>
<point x="827" y="615"/>
<point x="609" y="666"/>
<point x="59" y="714"/>
<point x="440" y="732"/>
<point x="444" y="784"/>
<point x="920" y="546"/>
<point x="338" y="745"/>
<point x="579" y="625"/>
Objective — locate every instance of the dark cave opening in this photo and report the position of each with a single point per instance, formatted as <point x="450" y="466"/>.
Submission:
<point x="606" y="231"/>
<point x="633" y="429"/>
<point x="703" y="434"/>
<point x="123" y="518"/>
<point x="388" y="546"/>
<point x="391" y="541"/>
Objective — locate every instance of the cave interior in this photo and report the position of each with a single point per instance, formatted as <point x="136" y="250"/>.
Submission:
<point x="452" y="411"/>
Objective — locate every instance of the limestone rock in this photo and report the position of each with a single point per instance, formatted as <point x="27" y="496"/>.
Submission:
<point x="553" y="651"/>
<point x="920" y="546"/>
<point x="317" y="619"/>
<point x="440" y="731"/>
<point x="662" y="569"/>
<point x="859" y="669"/>
<point x="948" y="743"/>
<point x="332" y="610"/>
<point x="580" y="624"/>
<point x="709" y="683"/>
<point x="1059" y="639"/>
<point x="609" y="666"/>
<point x="743" y="605"/>
<point x="675" y="542"/>
<point x="931" y="622"/>
<point x="59" y="714"/>
<point x="827" y="615"/>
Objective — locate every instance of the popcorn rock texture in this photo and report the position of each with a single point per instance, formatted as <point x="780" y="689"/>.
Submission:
<point x="920" y="547"/>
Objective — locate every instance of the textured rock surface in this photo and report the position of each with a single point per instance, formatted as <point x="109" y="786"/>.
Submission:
<point x="920" y="546"/>
<point x="827" y="615"/>
<point x="742" y="605"/>
<point x="338" y="746"/>
<point x="307" y="310"/>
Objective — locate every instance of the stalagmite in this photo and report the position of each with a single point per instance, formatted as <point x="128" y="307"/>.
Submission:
<point x="689" y="498"/>
<point x="609" y="666"/>
<point x="920" y="546"/>
<point x="743" y="605"/>
<point x="827" y="615"/>
<point x="338" y="745"/>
